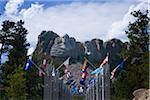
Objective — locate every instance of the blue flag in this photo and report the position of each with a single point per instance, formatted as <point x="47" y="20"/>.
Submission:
<point x="121" y="65"/>
<point x="28" y="64"/>
<point x="97" y="71"/>
<point x="82" y="80"/>
<point x="69" y="81"/>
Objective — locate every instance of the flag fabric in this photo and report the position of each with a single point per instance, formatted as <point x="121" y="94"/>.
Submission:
<point x="66" y="63"/>
<point x="81" y="89"/>
<point x="28" y="64"/>
<point x="53" y="72"/>
<point x="82" y="80"/>
<point x="66" y="70"/>
<point x="91" y="83"/>
<point x="74" y="88"/>
<point x="44" y="64"/>
<point x="105" y="61"/>
<point x="40" y="73"/>
<point x="113" y="73"/>
<point x="85" y="66"/>
<point x="69" y="81"/>
<point x="119" y="67"/>
<point x="97" y="71"/>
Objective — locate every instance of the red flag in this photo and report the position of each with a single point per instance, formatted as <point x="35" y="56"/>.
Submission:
<point x="44" y="64"/>
<point x="105" y="61"/>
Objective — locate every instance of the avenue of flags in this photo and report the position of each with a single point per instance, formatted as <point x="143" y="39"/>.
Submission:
<point x="76" y="86"/>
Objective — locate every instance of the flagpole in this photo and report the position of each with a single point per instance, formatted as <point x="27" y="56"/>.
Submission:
<point x="37" y="67"/>
<point x="89" y="62"/>
<point x="61" y="65"/>
<point x="103" y="84"/>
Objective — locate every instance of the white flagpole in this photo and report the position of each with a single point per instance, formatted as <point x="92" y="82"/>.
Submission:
<point x="103" y="85"/>
<point x="61" y="64"/>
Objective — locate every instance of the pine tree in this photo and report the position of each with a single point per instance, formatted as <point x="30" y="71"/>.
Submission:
<point x="138" y="32"/>
<point x="17" y="88"/>
<point x="17" y="53"/>
<point x="136" y="71"/>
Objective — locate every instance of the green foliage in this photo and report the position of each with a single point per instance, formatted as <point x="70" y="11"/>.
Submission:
<point x="17" y="45"/>
<point x="17" y="85"/>
<point x="136" y="71"/>
<point x="134" y="77"/>
<point x="138" y="32"/>
<point x="34" y="82"/>
<point x="15" y="39"/>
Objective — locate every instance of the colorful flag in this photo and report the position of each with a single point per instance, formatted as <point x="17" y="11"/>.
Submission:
<point x="28" y="64"/>
<point x="97" y="71"/>
<point x="105" y="61"/>
<point x="85" y="66"/>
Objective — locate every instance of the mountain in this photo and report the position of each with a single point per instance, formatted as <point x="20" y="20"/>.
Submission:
<point x="61" y="48"/>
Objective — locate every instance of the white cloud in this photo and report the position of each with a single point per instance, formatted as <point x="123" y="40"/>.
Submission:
<point x="30" y="51"/>
<point x="83" y="21"/>
<point x="12" y="6"/>
<point x="118" y="28"/>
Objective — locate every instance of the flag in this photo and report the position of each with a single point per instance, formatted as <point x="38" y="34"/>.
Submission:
<point x="74" y="88"/>
<point x="104" y="61"/>
<point x="69" y="81"/>
<point x="91" y="82"/>
<point x="119" y="67"/>
<point x="53" y="72"/>
<point x="28" y="64"/>
<point x="40" y="73"/>
<point x="113" y="73"/>
<point x="66" y="63"/>
<point x="82" y="80"/>
<point x="85" y="66"/>
<point x="97" y="71"/>
<point x="81" y="89"/>
<point x="66" y="70"/>
<point x="44" y="64"/>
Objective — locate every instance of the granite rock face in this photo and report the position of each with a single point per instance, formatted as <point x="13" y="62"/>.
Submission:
<point x="63" y="47"/>
<point x="66" y="46"/>
<point x="96" y="50"/>
<point x="45" y="42"/>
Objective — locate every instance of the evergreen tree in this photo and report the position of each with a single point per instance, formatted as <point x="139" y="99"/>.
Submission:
<point x="17" y="88"/>
<point x="17" y="45"/>
<point x="136" y="71"/>
<point x="15" y="40"/>
<point x="138" y="32"/>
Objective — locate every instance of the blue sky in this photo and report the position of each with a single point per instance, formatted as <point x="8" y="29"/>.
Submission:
<point x="82" y="19"/>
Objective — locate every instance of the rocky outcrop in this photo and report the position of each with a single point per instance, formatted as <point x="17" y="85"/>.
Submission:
<point x="45" y="42"/>
<point x="141" y="94"/>
<point x="63" y="47"/>
<point x="66" y="46"/>
<point x="113" y="47"/>
<point x="96" y="50"/>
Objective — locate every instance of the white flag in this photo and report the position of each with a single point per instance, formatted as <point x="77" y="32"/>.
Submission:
<point x="66" y="63"/>
<point x="53" y="72"/>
